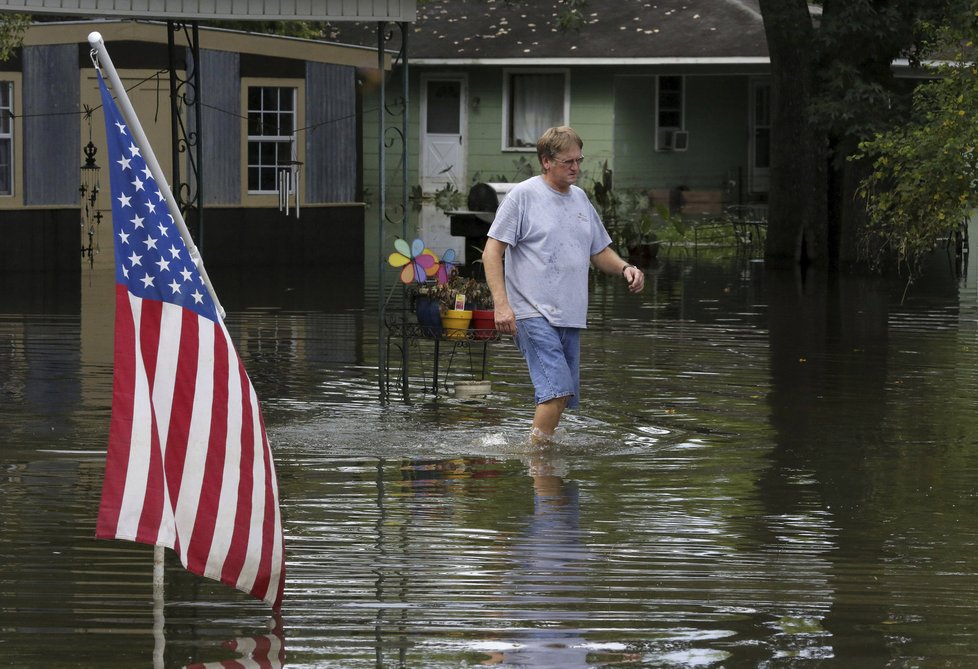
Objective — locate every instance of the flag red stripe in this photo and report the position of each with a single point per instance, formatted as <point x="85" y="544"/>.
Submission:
<point x="210" y="494"/>
<point x="262" y="653"/>
<point x="120" y="429"/>
<point x="246" y="467"/>
<point x="181" y="410"/>
<point x="149" y="342"/>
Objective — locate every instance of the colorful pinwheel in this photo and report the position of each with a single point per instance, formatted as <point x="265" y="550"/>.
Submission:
<point x="446" y="265"/>
<point x="418" y="262"/>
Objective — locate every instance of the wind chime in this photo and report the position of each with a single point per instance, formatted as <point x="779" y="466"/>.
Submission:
<point x="288" y="184"/>
<point x="89" y="189"/>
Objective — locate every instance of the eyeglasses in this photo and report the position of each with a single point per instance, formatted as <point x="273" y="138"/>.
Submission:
<point x="569" y="162"/>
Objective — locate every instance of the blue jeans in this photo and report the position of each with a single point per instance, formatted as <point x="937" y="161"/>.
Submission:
<point x="553" y="356"/>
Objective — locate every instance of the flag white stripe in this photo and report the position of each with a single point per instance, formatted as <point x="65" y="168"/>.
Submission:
<point x="278" y="546"/>
<point x="255" y="538"/>
<point x="171" y="324"/>
<point x="167" y="355"/>
<point x="228" y="505"/>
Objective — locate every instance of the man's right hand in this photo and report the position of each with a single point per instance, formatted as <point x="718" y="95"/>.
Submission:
<point x="505" y="320"/>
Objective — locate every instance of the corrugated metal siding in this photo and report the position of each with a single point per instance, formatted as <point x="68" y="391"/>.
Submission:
<point x="52" y="126"/>
<point x="331" y="140"/>
<point x="269" y="10"/>
<point x="221" y="137"/>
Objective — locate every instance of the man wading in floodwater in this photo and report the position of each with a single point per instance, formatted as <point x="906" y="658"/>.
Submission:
<point x="547" y="231"/>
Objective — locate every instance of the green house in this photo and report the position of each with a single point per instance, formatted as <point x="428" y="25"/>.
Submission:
<point x="671" y="98"/>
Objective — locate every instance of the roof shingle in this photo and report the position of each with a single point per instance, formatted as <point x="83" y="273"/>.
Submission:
<point x="507" y="29"/>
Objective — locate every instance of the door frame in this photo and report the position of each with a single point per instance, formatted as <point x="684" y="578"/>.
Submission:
<point x="433" y="183"/>
<point x="758" y="179"/>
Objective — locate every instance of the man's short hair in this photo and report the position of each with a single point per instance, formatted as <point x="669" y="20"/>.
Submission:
<point x="557" y="140"/>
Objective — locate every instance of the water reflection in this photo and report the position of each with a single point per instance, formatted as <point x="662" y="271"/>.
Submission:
<point x="546" y="587"/>
<point x="766" y="471"/>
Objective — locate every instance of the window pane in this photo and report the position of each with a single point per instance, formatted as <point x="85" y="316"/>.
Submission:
<point x="285" y="124"/>
<point x="283" y="151"/>
<point x="254" y="98"/>
<point x="762" y="148"/>
<point x="6" y="138"/>
<point x="6" y="169"/>
<point x="670" y="102"/>
<point x="254" y="123"/>
<point x="444" y="103"/>
<point x="271" y="129"/>
<point x="286" y="99"/>
<point x="536" y="103"/>
<point x="762" y="105"/>
<point x="670" y="119"/>
<point x="667" y="84"/>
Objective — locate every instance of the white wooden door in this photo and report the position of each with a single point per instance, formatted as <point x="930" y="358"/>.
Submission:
<point x="443" y="121"/>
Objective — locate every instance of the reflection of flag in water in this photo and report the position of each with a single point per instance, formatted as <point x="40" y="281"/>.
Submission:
<point x="257" y="652"/>
<point x="188" y="465"/>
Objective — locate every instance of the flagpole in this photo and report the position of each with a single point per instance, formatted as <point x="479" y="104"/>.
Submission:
<point x="159" y="616"/>
<point x="125" y="106"/>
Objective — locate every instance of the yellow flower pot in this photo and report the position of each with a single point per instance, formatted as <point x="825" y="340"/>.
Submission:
<point x="456" y="323"/>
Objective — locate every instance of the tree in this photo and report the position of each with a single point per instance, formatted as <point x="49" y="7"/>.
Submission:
<point x="303" y="29"/>
<point x="924" y="176"/>
<point x="832" y="87"/>
<point x="12" y="29"/>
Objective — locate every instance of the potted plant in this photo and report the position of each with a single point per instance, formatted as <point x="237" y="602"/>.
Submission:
<point x="427" y="308"/>
<point x="483" y="314"/>
<point x="450" y="296"/>
<point x="629" y="218"/>
<point x="638" y="233"/>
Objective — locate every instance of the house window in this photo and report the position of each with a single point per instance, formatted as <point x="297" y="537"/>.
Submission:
<point x="6" y="138"/>
<point x="668" y="110"/>
<point x="533" y="102"/>
<point x="762" y="126"/>
<point x="271" y="136"/>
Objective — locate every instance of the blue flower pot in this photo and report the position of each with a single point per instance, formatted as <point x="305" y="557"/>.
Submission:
<point x="429" y="316"/>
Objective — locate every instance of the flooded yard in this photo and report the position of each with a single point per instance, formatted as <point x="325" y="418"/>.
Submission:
<point x="765" y="471"/>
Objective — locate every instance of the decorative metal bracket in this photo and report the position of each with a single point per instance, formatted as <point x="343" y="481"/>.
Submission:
<point x="185" y="124"/>
<point x="393" y="142"/>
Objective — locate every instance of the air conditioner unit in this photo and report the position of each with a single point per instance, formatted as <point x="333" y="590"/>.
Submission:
<point x="679" y="140"/>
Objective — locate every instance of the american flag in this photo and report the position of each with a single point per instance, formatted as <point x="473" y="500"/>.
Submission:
<point x="266" y="651"/>
<point x="188" y="465"/>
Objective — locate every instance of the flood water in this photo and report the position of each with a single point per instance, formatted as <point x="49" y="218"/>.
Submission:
<point x="766" y="471"/>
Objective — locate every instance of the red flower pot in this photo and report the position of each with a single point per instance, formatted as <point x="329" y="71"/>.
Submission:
<point x="483" y="323"/>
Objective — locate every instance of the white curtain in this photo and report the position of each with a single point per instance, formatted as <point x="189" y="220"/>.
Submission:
<point x="537" y="104"/>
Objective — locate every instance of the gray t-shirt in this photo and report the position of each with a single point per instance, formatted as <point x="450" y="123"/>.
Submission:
<point x="551" y="237"/>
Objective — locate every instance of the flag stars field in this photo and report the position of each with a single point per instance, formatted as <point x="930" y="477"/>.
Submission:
<point x="167" y="268"/>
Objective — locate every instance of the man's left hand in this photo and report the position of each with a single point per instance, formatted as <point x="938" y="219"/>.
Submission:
<point x="635" y="278"/>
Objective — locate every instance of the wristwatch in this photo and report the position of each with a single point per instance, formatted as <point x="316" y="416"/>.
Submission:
<point x="624" y="268"/>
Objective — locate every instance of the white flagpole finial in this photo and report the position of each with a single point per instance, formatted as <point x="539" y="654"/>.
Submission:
<point x="95" y="41"/>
